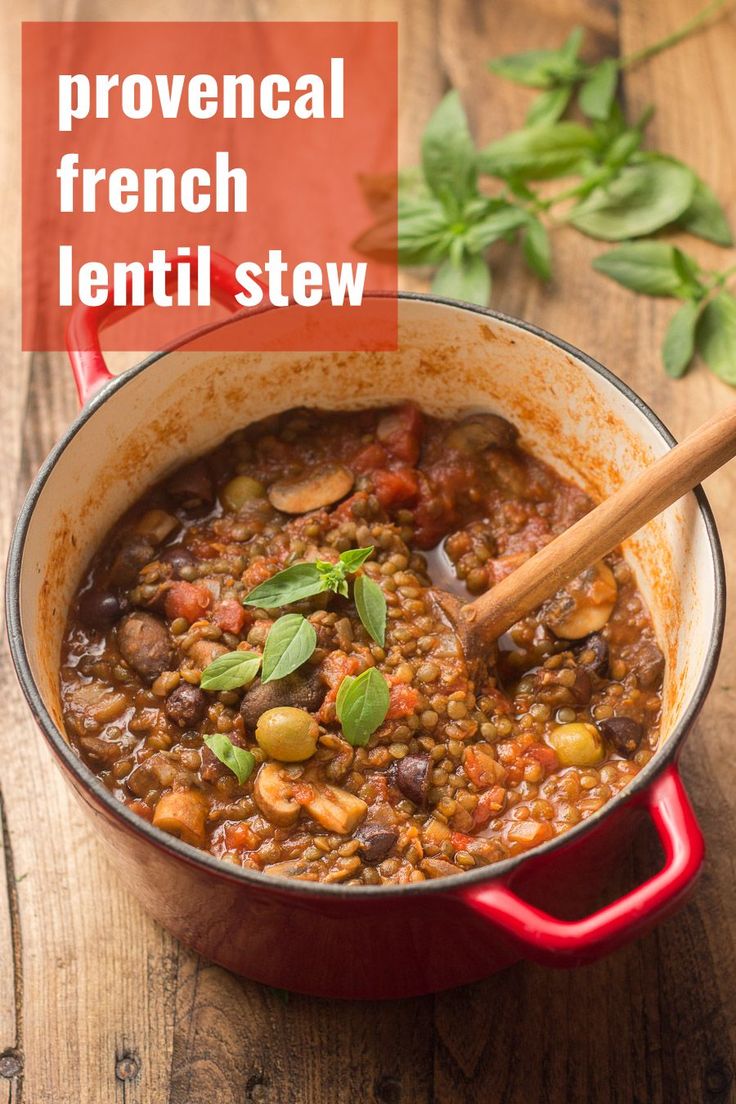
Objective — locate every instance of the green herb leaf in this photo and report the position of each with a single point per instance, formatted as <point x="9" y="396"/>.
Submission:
<point x="641" y="199"/>
<point x="290" y="643"/>
<point x="371" y="606"/>
<point x="535" y="243"/>
<point x="290" y="585"/>
<point x="362" y="704"/>
<point x="538" y="152"/>
<point x="238" y="760"/>
<point x="596" y="95"/>
<point x="549" y="106"/>
<point x="230" y="671"/>
<point x="448" y="153"/>
<point x="354" y="558"/>
<point x="705" y="217"/>
<point x="716" y="336"/>
<point x="678" y="347"/>
<point x="541" y="68"/>
<point x="497" y="219"/>
<point x="649" y="267"/>
<point x="468" y="280"/>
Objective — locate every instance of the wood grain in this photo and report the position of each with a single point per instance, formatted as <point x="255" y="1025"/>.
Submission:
<point x="97" y="1003"/>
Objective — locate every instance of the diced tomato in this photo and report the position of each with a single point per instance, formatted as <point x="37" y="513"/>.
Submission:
<point x="188" y="600"/>
<point x="230" y="616"/>
<point x="141" y="809"/>
<point x="335" y="666"/>
<point x="460" y="840"/>
<point x="258" y="571"/>
<point x="544" y="755"/>
<point x="395" y="488"/>
<point x="530" y="833"/>
<point x="239" y="836"/>
<point x="302" y="793"/>
<point x="372" y="456"/>
<point x="481" y="768"/>
<point x="489" y="805"/>
<point x="402" y="701"/>
<point x="400" y="431"/>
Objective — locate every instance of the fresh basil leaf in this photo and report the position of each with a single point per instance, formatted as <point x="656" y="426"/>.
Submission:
<point x="649" y="267"/>
<point x="290" y="642"/>
<point x="536" y="247"/>
<point x="678" y="347"/>
<point x="541" y="68"/>
<point x="230" y="671"/>
<point x="354" y="558"/>
<point x="448" y="153"/>
<point x="290" y="585"/>
<point x="499" y="219"/>
<point x="716" y="336"/>
<point x="539" y="152"/>
<point x="362" y="706"/>
<point x="371" y="606"/>
<point x="238" y="760"/>
<point x="705" y="217"/>
<point x="424" y="231"/>
<point x="599" y="88"/>
<point x="470" y="280"/>
<point x="641" y="199"/>
<point x="549" y="106"/>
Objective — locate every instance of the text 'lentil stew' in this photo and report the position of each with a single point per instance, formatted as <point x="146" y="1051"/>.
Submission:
<point x="253" y="661"/>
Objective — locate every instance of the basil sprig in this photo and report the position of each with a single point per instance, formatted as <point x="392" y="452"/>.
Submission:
<point x="362" y="704"/>
<point x="238" y="760"/>
<point x="705" y="323"/>
<point x="306" y="579"/>
<point x="230" y="671"/>
<point x="620" y="191"/>
<point x="290" y="642"/>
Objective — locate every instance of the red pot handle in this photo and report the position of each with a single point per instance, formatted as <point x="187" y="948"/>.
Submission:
<point x="551" y="941"/>
<point x="85" y="323"/>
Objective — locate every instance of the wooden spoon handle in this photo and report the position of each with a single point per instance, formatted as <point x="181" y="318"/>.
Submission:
<point x="598" y="533"/>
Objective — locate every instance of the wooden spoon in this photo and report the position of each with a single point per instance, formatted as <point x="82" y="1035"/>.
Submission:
<point x="479" y="623"/>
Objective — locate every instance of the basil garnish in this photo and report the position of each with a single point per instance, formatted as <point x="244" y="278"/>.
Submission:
<point x="230" y="671"/>
<point x="305" y="579"/>
<point x="290" y="643"/>
<point x="238" y="760"/>
<point x="362" y="704"/>
<point x="371" y="606"/>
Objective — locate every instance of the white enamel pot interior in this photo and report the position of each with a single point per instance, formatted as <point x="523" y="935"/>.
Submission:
<point x="451" y="359"/>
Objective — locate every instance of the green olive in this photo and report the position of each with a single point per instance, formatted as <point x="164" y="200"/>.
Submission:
<point x="240" y="490"/>
<point x="287" y="734"/>
<point x="577" y="745"/>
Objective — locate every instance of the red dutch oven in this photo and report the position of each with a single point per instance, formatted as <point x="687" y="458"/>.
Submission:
<point x="392" y="941"/>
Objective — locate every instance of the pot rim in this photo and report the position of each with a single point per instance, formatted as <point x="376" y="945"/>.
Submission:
<point x="92" y="787"/>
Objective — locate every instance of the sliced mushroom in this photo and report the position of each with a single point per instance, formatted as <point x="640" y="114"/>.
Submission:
<point x="274" y="795"/>
<point x="145" y="645"/>
<point x="294" y="690"/>
<point x="133" y="553"/>
<point x="289" y="868"/>
<point x="584" y="605"/>
<point x="96" y="703"/>
<point x="156" y="525"/>
<point x="335" y="809"/>
<point x="321" y="487"/>
<point x="183" y="814"/>
<point x="482" y="431"/>
<point x="204" y="652"/>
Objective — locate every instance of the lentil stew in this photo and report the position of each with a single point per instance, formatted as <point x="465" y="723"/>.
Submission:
<point x="336" y="733"/>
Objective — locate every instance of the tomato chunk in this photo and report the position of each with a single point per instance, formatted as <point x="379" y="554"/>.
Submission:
<point x="188" y="600"/>
<point x="402" y="701"/>
<point x="239" y="836"/>
<point x="400" y="432"/>
<point x="371" y="457"/>
<point x="395" y="488"/>
<point x="230" y="616"/>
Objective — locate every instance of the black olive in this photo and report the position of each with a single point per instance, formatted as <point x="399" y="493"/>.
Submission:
<point x="375" y="842"/>
<point x="623" y="733"/>
<point x="411" y="775"/>
<point x="178" y="557"/>
<point x="186" y="705"/>
<point x="100" y="608"/>
<point x="592" y="654"/>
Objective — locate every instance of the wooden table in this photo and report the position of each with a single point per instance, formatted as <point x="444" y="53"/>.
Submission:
<point x="97" y="1003"/>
